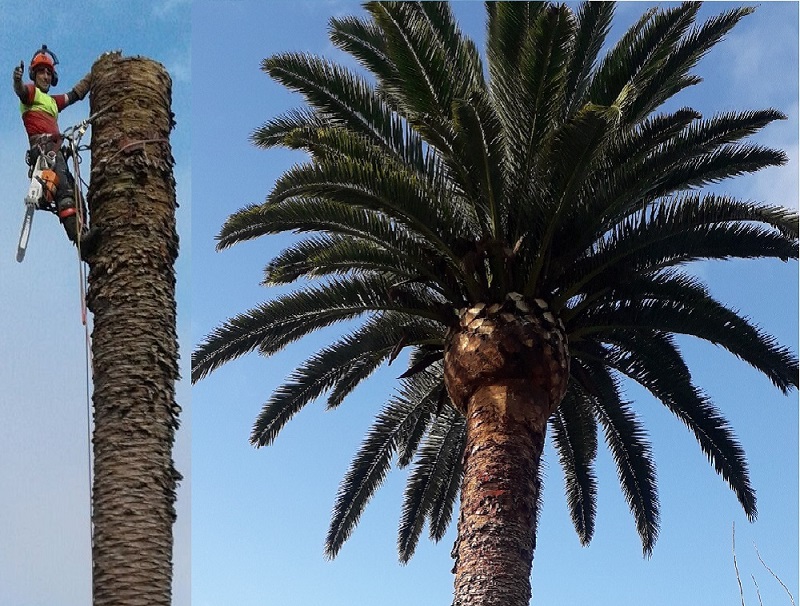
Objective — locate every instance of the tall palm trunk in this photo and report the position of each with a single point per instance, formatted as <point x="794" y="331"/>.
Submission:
<point x="506" y="369"/>
<point x="134" y="342"/>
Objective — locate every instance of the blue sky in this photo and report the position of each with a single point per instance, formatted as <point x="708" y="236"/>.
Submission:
<point x="260" y="516"/>
<point x="45" y="554"/>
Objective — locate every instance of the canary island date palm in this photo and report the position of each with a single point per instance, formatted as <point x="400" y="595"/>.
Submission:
<point x="525" y="232"/>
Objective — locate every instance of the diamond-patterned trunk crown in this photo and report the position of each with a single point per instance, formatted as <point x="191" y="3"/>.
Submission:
<point x="516" y="340"/>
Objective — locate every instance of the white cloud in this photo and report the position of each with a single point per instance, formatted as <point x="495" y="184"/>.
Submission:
<point x="166" y="8"/>
<point x="758" y="49"/>
<point x="179" y="66"/>
<point x="778" y="185"/>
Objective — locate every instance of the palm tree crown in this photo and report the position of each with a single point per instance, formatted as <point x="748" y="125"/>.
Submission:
<point x="547" y="187"/>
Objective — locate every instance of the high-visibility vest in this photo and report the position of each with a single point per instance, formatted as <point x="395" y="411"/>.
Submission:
<point x="42" y="102"/>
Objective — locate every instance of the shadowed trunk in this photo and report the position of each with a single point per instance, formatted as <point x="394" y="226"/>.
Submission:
<point x="506" y="369"/>
<point x="134" y="342"/>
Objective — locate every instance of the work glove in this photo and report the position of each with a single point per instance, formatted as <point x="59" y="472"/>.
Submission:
<point x="82" y="87"/>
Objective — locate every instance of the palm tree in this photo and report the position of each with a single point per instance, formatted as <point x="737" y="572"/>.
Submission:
<point x="134" y="340"/>
<point x="525" y="238"/>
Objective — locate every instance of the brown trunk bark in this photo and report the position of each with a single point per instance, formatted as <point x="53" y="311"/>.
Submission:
<point x="506" y="369"/>
<point x="498" y="497"/>
<point x="134" y="343"/>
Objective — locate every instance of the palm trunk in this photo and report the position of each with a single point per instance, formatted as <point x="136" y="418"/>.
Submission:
<point x="134" y="342"/>
<point x="506" y="369"/>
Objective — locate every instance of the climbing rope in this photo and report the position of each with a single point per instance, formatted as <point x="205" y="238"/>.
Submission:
<point x="73" y="137"/>
<point x="75" y="149"/>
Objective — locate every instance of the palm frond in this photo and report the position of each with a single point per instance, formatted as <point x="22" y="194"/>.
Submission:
<point x="627" y="441"/>
<point x="430" y="482"/>
<point x="337" y="255"/>
<point x="280" y="131"/>
<point x="276" y="323"/>
<point x="676" y="305"/>
<point x="428" y="389"/>
<point x="528" y="51"/>
<point x="482" y="151"/>
<point x="420" y="86"/>
<point x="575" y="439"/>
<point x="680" y="164"/>
<point x="400" y="196"/>
<point x="572" y="154"/>
<point x="303" y="214"/>
<point x="676" y="231"/>
<point x="338" y="97"/>
<point x="441" y="511"/>
<point x="338" y="368"/>
<point x="508" y="25"/>
<point x="363" y="39"/>
<point x="653" y="361"/>
<point x="627" y="57"/>
<point x="370" y="465"/>
<point x="593" y="25"/>
<point x="723" y="163"/>
<point x="673" y="75"/>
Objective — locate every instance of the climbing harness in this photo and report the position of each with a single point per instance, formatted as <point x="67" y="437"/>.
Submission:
<point x="41" y="160"/>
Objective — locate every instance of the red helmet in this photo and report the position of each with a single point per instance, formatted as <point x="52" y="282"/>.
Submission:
<point x="44" y="57"/>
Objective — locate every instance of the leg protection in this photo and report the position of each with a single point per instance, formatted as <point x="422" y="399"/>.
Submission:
<point x="66" y="183"/>
<point x="86" y="239"/>
<point x="65" y="200"/>
<point x="68" y="216"/>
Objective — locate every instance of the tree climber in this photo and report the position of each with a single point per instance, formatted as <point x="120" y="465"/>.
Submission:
<point x="40" y="116"/>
